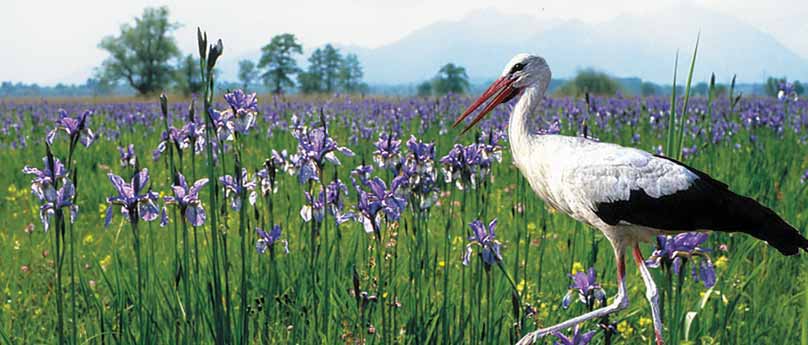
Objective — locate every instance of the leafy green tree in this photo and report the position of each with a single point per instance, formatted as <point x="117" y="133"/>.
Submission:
<point x="773" y="86"/>
<point x="589" y="81"/>
<point x="720" y="91"/>
<point x="246" y="72"/>
<point x="331" y="62"/>
<point x="278" y="62"/>
<point x="648" y="89"/>
<point x="451" y="78"/>
<point x="323" y="72"/>
<point x="142" y="51"/>
<point x="187" y="79"/>
<point x="309" y="82"/>
<point x="425" y="89"/>
<point x="98" y="87"/>
<point x="350" y="74"/>
<point x="701" y="88"/>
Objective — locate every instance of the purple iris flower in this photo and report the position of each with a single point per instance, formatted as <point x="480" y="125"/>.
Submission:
<point x="232" y="189"/>
<point x="332" y="198"/>
<point x="187" y="198"/>
<point x="62" y="199"/>
<point x="421" y="150"/>
<point x="195" y="134"/>
<point x="787" y="91"/>
<point x="267" y="175"/>
<point x="314" y="208"/>
<point x="804" y="177"/>
<point x="577" y="338"/>
<point x="689" y="151"/>
<point x="484" y="237"/>
<point x="315" y="147"/>
<point x="419" y="168"/>
<point x="267" y="240"/>
<point x="673" y="251"/>
<point x="586" y="286"/>
<point x="245" y="109"/>
<point x="174" y="136"/>
<point x="286" y="162"/>
<point x="128" y="157"/>
<point x="42" y="185"/>
<point x="76" y="128"/>
<point x="133" y="197"/>
<point x="465" y="165"/>
<point x="491" y="147"/>
<point x="388" y="151"/>
<point x="378" y="201"/>
<point x="334" y="195"/>
<point x="223" y="123"/>
<point x="363" y="173"/>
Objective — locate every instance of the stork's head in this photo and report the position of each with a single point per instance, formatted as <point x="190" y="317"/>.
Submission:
<point x="523" y="71"/>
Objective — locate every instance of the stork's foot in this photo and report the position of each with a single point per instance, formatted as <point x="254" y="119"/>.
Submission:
<point x="531" y="337"/>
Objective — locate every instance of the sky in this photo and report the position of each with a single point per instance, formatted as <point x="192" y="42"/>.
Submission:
<point x="47" y="42"/>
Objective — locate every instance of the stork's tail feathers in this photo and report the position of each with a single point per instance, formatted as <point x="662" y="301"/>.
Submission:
<point x="762" y="223"/>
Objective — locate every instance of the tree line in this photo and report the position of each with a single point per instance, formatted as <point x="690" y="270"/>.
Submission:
<point x="144" y="55"/>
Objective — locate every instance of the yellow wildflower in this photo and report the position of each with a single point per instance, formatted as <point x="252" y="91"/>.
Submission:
<point x="520" y="286"/>
<point x="625" y="328"/>
<point x="577" y="267"/>
<point x="645" y="322"/>
<point x="441" y="264"/>
<point x="721" y="262"/>
<point x="88" y="240"/>
<point x="105" y="262"/>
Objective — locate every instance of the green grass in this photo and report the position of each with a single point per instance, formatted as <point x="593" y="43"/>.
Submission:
<point x="760" y="296"/>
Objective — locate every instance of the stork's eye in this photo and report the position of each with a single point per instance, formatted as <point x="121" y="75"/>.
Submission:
<point x="517" y="67"/>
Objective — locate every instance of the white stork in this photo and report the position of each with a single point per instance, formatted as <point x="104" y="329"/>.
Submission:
<point x="628" y="194"/>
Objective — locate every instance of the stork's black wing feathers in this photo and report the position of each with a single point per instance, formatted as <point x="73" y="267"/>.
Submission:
<point x="707" y="204"/>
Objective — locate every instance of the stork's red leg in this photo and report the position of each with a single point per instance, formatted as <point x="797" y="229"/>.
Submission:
<point x="620" y="302"/>
<point x="650" y="293"/>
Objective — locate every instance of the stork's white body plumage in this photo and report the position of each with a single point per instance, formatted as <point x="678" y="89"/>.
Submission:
<point x="628" y="194"/>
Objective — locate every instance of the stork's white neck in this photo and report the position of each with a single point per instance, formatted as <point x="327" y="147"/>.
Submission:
<point x="518" y="130"/>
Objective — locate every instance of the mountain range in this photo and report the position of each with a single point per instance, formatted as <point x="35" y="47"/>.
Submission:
<point x="629" y="45"/>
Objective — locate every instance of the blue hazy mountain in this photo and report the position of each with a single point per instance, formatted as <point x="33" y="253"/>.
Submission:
<point x="641" y="46"/>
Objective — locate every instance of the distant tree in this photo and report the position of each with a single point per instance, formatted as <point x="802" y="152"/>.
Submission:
<point x="186" y="77"/>
<point x="309" y="82"/>
<point x="323" y="72"/>
<point x="451" y="78"/>
<point x="589" y="81"/>
<point x="773" y="86"/>
<point x="350" y="74"/>
<point x="720" y="91"/>
<point x="278" y="62"/>
<point x="648" y="89"/>
<point x="99" y="87"/>
<point x="331" y="61"/>
<point x="701" y="89"/>
<point x="141" y="53"/>
<point x="246" y="72"/>
<point x="425" y="89"/>
<point x="798" y="88"/>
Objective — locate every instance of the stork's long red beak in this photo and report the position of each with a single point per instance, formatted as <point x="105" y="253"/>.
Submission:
<point x="501" y="90"/>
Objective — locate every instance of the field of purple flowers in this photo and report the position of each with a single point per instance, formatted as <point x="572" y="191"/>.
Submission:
<point x="233" y="219"/>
